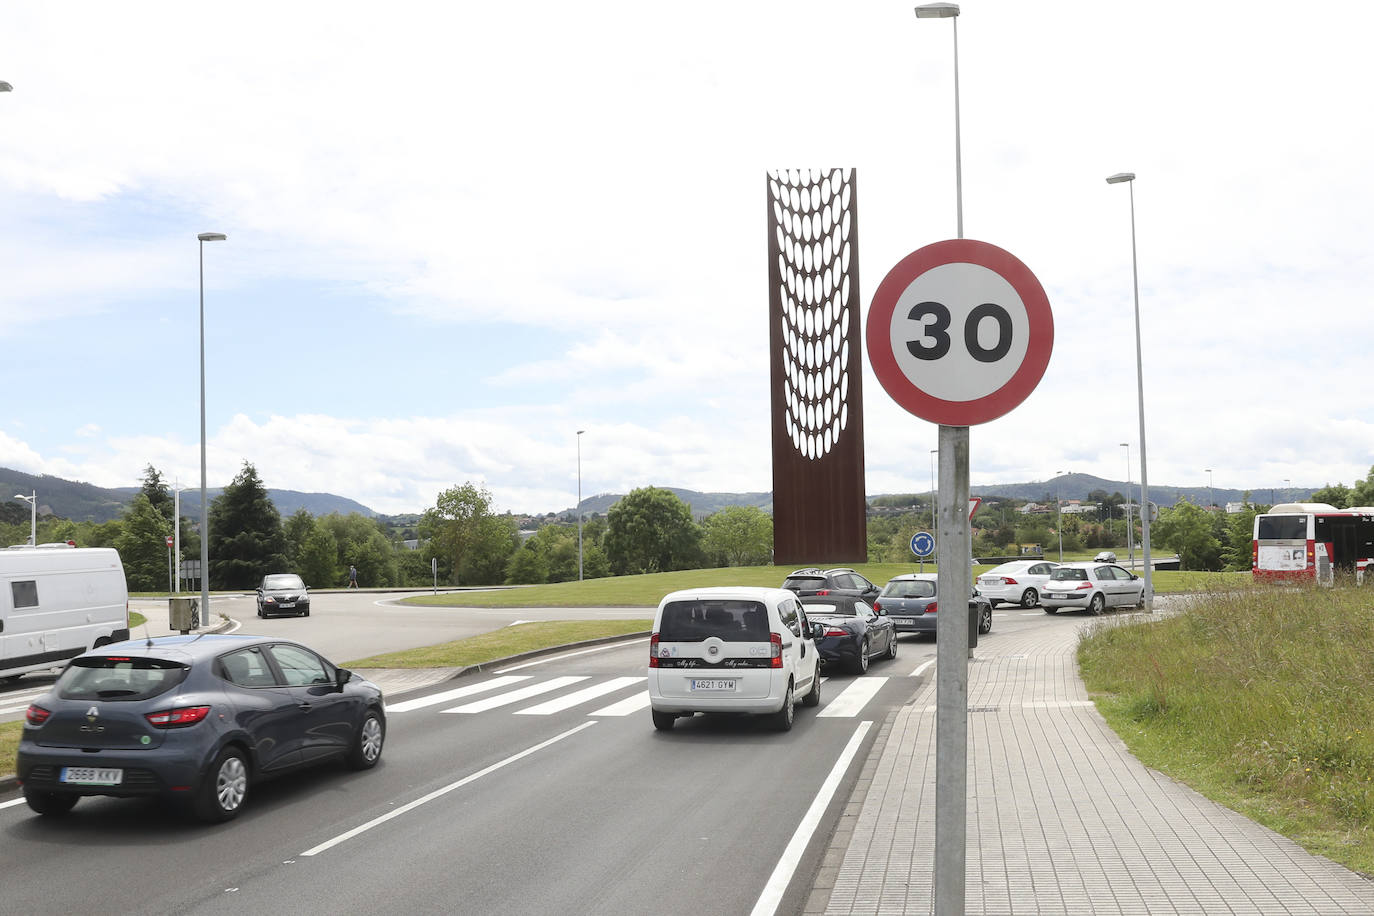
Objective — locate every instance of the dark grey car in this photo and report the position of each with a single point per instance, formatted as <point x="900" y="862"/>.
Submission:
<point x="283" y="593"/>
<point x="198" y="719"/>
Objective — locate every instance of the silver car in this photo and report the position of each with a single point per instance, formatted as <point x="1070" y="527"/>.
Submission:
<point x="1091" y="587"/>
<point x="1018" y="582"/>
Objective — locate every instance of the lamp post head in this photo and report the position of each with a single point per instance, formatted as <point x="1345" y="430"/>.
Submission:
<point x="937" y="11"/>
<point x="5" y="87"/>
<point x="1120" y="177"/>
<point x="212" y="236"/>
<point x="581" y="431"/>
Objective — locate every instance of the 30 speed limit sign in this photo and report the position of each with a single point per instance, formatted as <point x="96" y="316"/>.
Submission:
<point x="960" y="332"/>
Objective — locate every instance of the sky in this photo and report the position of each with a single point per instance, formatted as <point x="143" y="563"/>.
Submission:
<point x="460" y="232"/>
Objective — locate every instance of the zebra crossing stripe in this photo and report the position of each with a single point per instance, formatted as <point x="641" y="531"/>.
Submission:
<point x="515" y="696"/>
<point x="853" y="698"/>
<point x="626" y="707"/>
<point x="581" y="696"/>
<point x="450" y="695"/>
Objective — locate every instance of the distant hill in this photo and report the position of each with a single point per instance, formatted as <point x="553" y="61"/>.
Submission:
<point x="86" y="502"/>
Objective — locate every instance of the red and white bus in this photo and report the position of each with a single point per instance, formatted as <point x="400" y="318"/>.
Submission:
<point x="1313" y="541"/>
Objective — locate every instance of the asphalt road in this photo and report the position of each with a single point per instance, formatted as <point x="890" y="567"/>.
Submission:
<point x="540" y="788"/>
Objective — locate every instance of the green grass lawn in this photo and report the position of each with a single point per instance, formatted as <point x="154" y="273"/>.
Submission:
<point x="1257" y="697"/>
<point x="503" y="643"/>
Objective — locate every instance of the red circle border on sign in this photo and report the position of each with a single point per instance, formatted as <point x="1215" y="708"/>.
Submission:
<point x="990" y="406"/>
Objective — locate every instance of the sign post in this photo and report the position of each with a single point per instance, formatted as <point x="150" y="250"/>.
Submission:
<point x="959" y="333"/>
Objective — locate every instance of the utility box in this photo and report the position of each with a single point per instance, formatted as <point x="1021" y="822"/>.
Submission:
<point x="182" y="614"/>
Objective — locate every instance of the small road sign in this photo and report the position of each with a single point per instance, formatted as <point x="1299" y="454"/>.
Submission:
<point x="169" y="540"/>
<point x="922" y="544"/>
<point x="960" y="332"/>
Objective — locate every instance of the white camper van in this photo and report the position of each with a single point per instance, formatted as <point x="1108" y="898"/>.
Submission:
<point x="57" y="601"/>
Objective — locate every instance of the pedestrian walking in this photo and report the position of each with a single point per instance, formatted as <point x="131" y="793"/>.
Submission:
<point x="352" y="577"/>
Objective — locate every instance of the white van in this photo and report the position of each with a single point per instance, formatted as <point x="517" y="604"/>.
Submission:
<point x="742" y="650"/>
<point x="57" y="601"/>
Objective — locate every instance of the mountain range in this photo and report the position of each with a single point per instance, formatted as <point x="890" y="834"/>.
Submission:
<point x="87" y="502"/>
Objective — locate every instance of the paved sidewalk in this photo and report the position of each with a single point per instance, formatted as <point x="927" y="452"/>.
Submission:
<point x="1062" y="819"/>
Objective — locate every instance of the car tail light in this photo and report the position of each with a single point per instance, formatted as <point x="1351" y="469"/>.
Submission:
<point x="36" y="715"/>
<point x="932" y="607"/>
<point x="835" y="631"/>
<point x="824" y="591"/>
<point x="775" y="645"/>
<point x="1085" y="585"/>
<point x="653" y="651"/>
<point x="1008" y="580"/>
<point x="877" y="605"/>
<point x="177" y="718"/>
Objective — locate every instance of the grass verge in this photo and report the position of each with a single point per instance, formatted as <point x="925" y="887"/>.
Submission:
<point x="1257" y="697"/>
<point x="136" y="620"/>
<point x="9" y="745"/>
<point x="647" y="590"/>
<point x="503" y="643"/>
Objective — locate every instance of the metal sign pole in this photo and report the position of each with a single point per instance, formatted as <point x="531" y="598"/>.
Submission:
<point x="951" y="671"/>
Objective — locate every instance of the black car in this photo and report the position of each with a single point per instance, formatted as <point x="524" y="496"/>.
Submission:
<point x="198" y="719"/>
<point x="283" y="593"/>
<point x="854" y="632"/>
<point x="840" y="581"/>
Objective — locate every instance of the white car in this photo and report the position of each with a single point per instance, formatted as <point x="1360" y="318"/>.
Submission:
<point x="735" y="650"/>
<point x="1018" y="582"/>
<point x="1092" y="587"/>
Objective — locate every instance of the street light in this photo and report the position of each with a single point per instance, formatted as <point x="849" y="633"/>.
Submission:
<point x="204" y="503"/>
<point x="1211" y="500"/>
<point x="5" y="87"/>
<point x="1287" y="485"/>
<point x="579" y="504"/>
<point x="933" y="453"/>
<point x="951" y="11"/>
<point x="1059" y="511"/>
<point x="1129" y="178"/>
<point x="1130" y="529"/>
<point x="33" y="513"/>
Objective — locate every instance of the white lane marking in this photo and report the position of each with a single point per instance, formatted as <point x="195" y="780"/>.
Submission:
<point x="853" y="698"/>
<point x="448" y="695"/>
<point x="580" y="696"/>
<point x="625" y="707"/>
<point x="515" y="696"/>
<point x="11" y="803"/>
<point x="921" y="668"/>
<point x="555" y="658"/>
<point x="363" y="828"/>
<point x="791" y="856"/>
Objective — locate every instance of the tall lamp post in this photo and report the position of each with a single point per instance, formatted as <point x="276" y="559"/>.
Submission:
<point x="33" y="516"/>
<point x="204" y="503"/>
<point x="951" y="664"/>
<point x="579" y="504"/>
<point x="1287" y="485"/>
<point x="1129" y="179"/>
<point x="1059" y="510"/>
<point x="1130" y="529"/>
<point x="933" y="453"/>
<point x="5" y="87"/>
<point x="1211" y="500"/>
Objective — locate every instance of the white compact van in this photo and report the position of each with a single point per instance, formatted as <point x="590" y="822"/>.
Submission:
<point x="56" y="602"/>
<point x="740" y="650"/>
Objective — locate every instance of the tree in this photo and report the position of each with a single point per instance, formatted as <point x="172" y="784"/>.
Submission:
<point x="454" y="524"/>
<point x="158" y="495"/>
<point x="364" y="543"/>
<point x="484" y="561"/>
<point x="527" y="565"/>
<point x="246" y="537"/>
<point x="1338" y="495"/>
<point x="142" y="546"/>
<point x="1187" y="530"/>
<point x="651" y="530"/>
<point x="738" y="536"/>
<point x="1238" y="550"/>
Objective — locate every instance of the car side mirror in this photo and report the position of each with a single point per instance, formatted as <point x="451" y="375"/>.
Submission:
<point x="341" y="677"/>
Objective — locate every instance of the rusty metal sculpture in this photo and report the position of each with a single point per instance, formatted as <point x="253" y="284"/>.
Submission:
<point x="816" y="378"/>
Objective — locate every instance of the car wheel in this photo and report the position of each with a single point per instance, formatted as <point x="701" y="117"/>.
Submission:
<point x="1030" y="598"/>
<point x="860" y="663"/>
<point x="985" y="620"/>
<point x="367" y="747"/>
<point x="1051" y="610"/>
<point x="1096" y="605"/>
<point x="782" y="719"/>
<point x="663" y="721"/>
<point x="892" y="648"/>
<point x="50" y="803"/>
<point x="305" y="613"/>
<point x="259" y="610"/>
<point x="813" y="697"/>
<point x="221" y="796"/>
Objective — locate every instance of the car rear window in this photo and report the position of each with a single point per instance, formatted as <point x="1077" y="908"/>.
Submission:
<point x="804" y="583"/>
<point x="910" y="588"/>
<point x="695" y="621"/>
<point x="1060" y="574"/>
<point x="119" y="678"/>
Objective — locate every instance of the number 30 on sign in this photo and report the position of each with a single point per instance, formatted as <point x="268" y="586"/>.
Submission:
<point x="960" y="332"/>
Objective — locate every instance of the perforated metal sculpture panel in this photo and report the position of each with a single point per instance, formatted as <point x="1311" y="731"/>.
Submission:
<point x="814" y="368"/>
